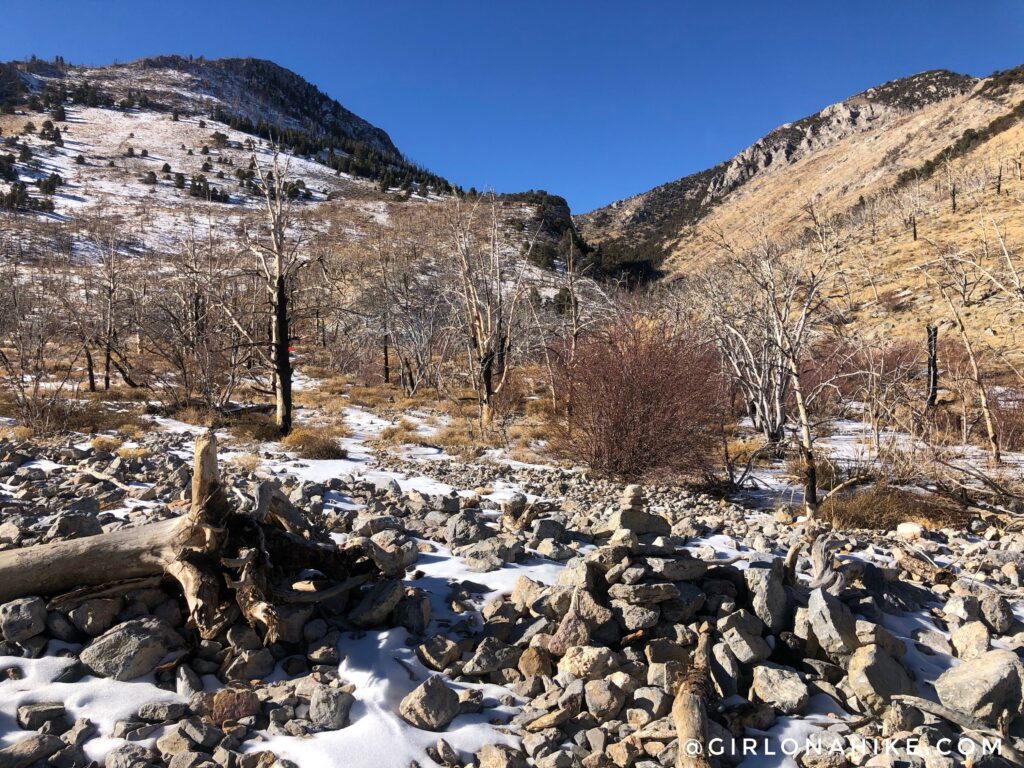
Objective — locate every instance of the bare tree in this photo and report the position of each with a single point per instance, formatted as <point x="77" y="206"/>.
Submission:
<point x="489" y="292"/>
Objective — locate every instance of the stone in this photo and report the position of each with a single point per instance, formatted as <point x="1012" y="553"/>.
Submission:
<point x="131" y="756"/>
<point x="643" y="594"/>
<point x="985" y="687"/>
<point x="32" y="717"/>
<point x="604" y="699"/>
<point x="875" y="677"/>
<point x="638" y="521"/>
<point x="232" y="704"/>
<point x="500" y="756"/>
<point x="572" y="630"/>
<point x="535" y="662"/>
<point x="782" y="688"/>
<point x="329" y="707"/>
<point x="747" y="648"/>
<point x="131" y="649"/>
<point x="768" y="597"/>
<point x="588" y="662"/>
<point x="30" y="751"/>
<point x="833" y="624"/>
<point x="431" y="705"/>
<point x="94" y="617"/>
<point x="490" y="656"/>
<point x="22" y="618"/>
<point x="970" y="639"/>
<point x="250" y="665"/>
<point x="996" y="612"/>
<point x="377" y="603"/>
<point x="437" y="653"/>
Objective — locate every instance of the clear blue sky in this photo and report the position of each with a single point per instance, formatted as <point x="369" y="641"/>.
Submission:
<point x="589" y="99"/>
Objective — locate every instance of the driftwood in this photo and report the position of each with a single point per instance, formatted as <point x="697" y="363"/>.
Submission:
<point x="689" y="709"/>
<point x="231" y="562"/>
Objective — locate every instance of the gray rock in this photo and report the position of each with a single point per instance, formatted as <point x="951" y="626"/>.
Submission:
<point x="29" y="751"/>
<point x="490" y="656"/>
<point x="604" y="699"/>
<point x="377" y="603"/>
<point x="768" y="597"/>
<point x="131" y="649"/>
<point x="33" y="716"/>
<point x="94" y="617"/>
<point x="782" y="688"/>
<point x="747" y="648"/>
<point x="329" y="707"/>
<point x="833" y="624"/>
<point x="431" y="705"/>
<point x="22" y="618"/>
<point x="875" y="677"/>
<point x="996" y="612"/>
<point x="986" y="687"/>
<point x="250" y="665"/>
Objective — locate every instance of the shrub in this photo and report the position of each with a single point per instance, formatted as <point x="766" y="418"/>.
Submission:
<point x="105" y="444"/>
<point x="314" y="443"/>
<point x="134" y="452"/>
<point x="643" y="400"/>
<point x="883" y="507"/>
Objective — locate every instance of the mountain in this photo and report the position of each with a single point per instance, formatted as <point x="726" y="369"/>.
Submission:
<point x="255" y="96"/>
<point x="164" y="145"/>
<point x="872" y="141"/>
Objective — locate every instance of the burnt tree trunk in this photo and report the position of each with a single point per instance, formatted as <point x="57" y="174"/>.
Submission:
<point x="933" y="365"/>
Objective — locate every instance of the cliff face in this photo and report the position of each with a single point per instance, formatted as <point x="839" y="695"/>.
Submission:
<point x="645" y="226"/>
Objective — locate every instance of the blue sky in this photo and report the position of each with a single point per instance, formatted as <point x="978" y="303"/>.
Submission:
<point x="591" y="100"/>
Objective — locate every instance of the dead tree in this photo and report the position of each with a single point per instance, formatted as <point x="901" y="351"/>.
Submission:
<point x="232" y="561"/>
<point x="489" y="292"/>
<point x="689" y="708"/>
<point x="933" y="365"/>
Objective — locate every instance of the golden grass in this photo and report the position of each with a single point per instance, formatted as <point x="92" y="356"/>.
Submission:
<point x="254" y="427"/>
<point x="883" y="507"/>
<point x="105" y="443"/>
<point x="20" y="433"/>
<point x="135" y="452"/>
<point x="246" y="462"/>
<point x="404" y="432"/>
<point x="315" y="443"/>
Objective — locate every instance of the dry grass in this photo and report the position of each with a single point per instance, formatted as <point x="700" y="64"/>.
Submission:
<point x="245" y="462"/>
<point x="254" y="427"/>
<point x="402" y="433"/>
<point x="883" y="507"/>
<point x="20" y="433"/>
<point x="92" y="416"/>
<point x="134" y="452"/>
<point x="105" y="443"/>
<point x="315" y="443"/>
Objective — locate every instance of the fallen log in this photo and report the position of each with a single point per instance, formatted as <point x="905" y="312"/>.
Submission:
<point x="231" y="562"/>
<point x="689" y="709"/>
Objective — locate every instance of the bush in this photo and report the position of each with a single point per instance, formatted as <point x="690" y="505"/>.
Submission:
<point x="314" y="443"/>
<point x="105" y="444"/>
<point x="883" y="507"/>
<point x="643" y="401"/>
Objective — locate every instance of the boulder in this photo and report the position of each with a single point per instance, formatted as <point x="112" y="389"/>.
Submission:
<point x="875" y="677"/>
<point x="782" y="688"/>
<point x="768" y="597"/>
<point x="329" y="707"/>
<point x="22" y="619"/>
<point x="833" y="624"/>
<point x="131" y="649"/>
<point x="985" y="687"/>
<point x="431" y="705"/>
